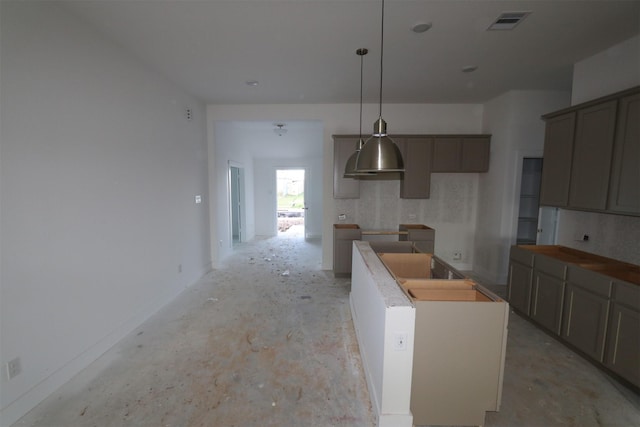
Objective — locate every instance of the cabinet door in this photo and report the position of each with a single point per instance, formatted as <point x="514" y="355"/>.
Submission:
<point x="624" y="194"/>
<point x="344" y="188"/>
<point x="416" y="180"/>
<point x="475" y="154"/>
<point x="520" y="277"/>
<point x="623" y="343"/>
<point x="585" y="320"/>
<point x="556" y="167"/>
<point x="447" y="154"/>
<point x="592" y="151"/>
<point x="546" y="306"/>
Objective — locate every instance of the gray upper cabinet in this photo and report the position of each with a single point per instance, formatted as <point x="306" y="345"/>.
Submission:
<point x="624" y="193"/>
<point x="556" y="169"/>
<point x="591" y="155"/>
<point x="461" y="154"/>
<point x="446" y="154"/>
<point x="475" y="154"/>
<point x="344" y="188"/>
<point x="416" y="180"/>
<point x="592" y="149"/>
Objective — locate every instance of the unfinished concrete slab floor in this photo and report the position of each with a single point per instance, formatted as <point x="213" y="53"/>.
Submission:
<point x="252" y="346"/>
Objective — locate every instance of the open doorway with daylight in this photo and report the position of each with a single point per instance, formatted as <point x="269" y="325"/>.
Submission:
<point x="291" y="206"/>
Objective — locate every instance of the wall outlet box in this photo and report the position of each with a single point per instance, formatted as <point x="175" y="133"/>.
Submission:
<point x="342" y="217"/>
<point x="14" y="367"/>
<point x="457" y="256"/>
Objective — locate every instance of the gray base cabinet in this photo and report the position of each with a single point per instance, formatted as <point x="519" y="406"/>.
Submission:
<point x="343" y="237"/>
<point x="547" y="298"/>
<point x="520" y="279"/>
<point x="623" y="335"/>
<point x="583" y="299"/>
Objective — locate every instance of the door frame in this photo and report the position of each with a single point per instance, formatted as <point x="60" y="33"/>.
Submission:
<point x="242" y="218"/>
<point x="306" y="195"/>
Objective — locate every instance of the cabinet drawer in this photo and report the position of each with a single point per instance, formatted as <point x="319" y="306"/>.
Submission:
<point x="550" y="266"/>
<point x="627" y="294"/>
<point x="521" y="255"/>
<point x="589" y="280"/>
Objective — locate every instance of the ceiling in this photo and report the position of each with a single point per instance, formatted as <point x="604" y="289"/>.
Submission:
<point x="303" y="51"/>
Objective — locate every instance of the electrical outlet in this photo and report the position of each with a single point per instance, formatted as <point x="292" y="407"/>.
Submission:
<point x="457" y="256"/>
<point x="342" y="217"/>
<point x="400" y="341"/>
<point x="412" y="217"/>
<point x="14" y="367"/>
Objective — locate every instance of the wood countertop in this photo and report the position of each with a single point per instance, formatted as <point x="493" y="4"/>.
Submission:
<point x="607" y="266"/>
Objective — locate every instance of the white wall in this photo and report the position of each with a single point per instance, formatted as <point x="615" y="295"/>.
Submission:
<point x="612" y="70"/>
<point x="99" y="169"/>
<point x="409" y="118"/>
<point x="518" y="131"/>
<point x="225" y="151"/>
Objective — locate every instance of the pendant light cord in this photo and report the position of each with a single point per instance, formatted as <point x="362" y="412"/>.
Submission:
<point x="361" y="66"/>
<point x="381" y="54"/>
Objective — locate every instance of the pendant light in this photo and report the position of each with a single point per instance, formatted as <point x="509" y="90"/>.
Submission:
<point x="380" y="153"/>
<point x="350" y="169"/>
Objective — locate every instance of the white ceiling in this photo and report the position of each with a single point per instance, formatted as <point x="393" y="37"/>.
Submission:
<point x="303" y="51"/>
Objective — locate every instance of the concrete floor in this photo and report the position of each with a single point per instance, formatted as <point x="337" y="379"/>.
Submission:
<point x="267" y="340"/>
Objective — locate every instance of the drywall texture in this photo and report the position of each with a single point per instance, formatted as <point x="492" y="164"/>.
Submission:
<point x="517" y="131"/>
<point x="99" y="170"/>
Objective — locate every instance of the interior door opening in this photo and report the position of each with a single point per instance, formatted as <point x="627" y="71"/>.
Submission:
<point x="291" y="206"/>
<point x="236" y="208"/>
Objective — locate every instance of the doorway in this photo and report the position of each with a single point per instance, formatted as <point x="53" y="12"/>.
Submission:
<point x="236" y="202"/>
<point x="291" y="206"/>
<point x="529" y="201"/>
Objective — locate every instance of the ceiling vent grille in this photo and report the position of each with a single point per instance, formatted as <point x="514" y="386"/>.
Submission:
<point x="508" y="20"/>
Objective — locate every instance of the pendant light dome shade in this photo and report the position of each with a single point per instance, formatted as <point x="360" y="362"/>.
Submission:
<point x="350" y="168"/>
<point x="379" y="153"/>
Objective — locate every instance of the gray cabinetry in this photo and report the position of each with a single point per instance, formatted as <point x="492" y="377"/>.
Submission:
<point x="624" y="193"/>
<point x="520" y="279"/>
<point x="475" y="154"/>
<point x="556" y="171"/>
<point x="416" y="180"/>
<point x="461" y="154"/>
<point x="586" y="311"/>
<point x="591" y="164"/>
<point x="547" y="295"/>
<point x="344" y="188"/>
<point x="343" y="237"/>
<point x="623" y="338"/>
<point x="423" y="237"/>
<point x="591" y="302"/>
<point x="591" y="155"/>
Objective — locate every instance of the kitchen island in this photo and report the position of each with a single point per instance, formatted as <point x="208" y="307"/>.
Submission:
<point x="432" y="349"/>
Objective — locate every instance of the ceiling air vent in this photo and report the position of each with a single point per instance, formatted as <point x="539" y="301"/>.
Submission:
<point x="508" y="20"/>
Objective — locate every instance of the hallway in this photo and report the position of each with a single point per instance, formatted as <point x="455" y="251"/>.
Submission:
<point x="267" y="340"/>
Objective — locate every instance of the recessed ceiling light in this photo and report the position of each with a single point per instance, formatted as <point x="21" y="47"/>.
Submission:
<point x="469" y="68"/>
<point x="252" y="83"/>
<point x="421" y="27"/>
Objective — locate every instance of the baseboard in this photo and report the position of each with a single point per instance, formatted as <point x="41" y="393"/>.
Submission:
<point x="29" y="400"/>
